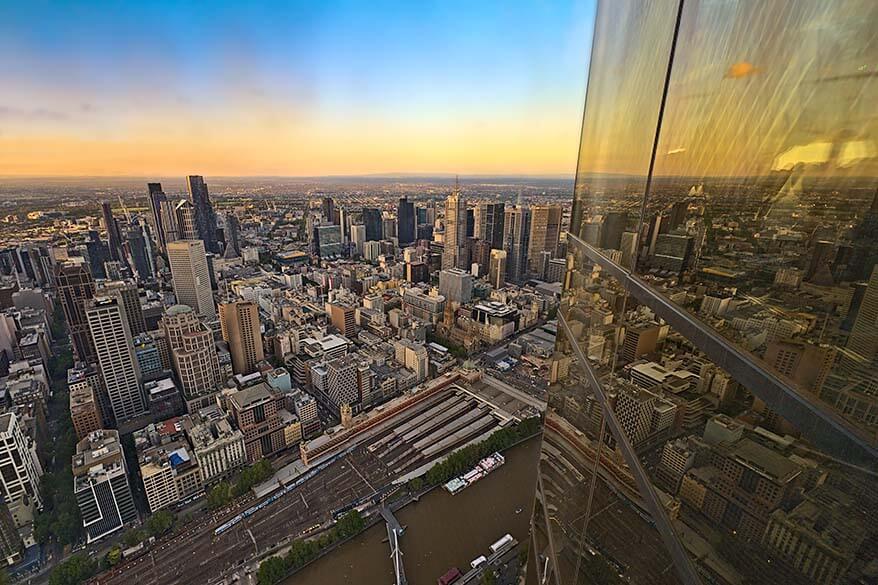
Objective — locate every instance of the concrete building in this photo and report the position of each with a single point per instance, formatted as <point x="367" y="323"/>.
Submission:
<point x="113" y="345"/>
<point x="75" y="288"/>
<point x="129" y="293"/>
<point x="218" y="447"/>
<point x="497" y="270"/>
<point x="20" y="479"/>
<point x="85" y="411"/>
<point x="241" y="329"/>
<point x="456" y="285"/>
<point x="191" y="275"/>
<point x="170" y="474"/>
<point x="454" y="255"/>
<point x="413" y="356"/>
<point x="342" y="316"/>
<point x="256" y="412"/>
<point x="429" y="308"/>
<point x="100" y="484"/>
<point x="193" y="354"/>
<point x="545" y="231"/>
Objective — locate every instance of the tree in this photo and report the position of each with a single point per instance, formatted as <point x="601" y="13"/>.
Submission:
<point x="160" y="523"/>
<point x="114" y="556"/>
<point x="271" y="571"/>
<point x="133" y="537"/>
<point x="73" y="571"/>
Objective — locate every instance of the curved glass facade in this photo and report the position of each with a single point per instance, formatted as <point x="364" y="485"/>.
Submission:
<point x="714" y="397"/>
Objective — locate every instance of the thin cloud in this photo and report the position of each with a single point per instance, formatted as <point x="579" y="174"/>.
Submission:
<point x="13" y="113"/>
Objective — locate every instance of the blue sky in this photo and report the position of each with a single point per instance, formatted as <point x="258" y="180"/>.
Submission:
<point x="348" y="86"/>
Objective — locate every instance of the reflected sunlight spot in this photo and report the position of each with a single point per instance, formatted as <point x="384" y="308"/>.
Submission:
<point x="741" y="69"/>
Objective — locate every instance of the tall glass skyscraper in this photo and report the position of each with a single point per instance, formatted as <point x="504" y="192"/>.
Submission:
<point x="713" y="405"/>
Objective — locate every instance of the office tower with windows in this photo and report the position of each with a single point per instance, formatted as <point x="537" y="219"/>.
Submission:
<point x="454" y="255"/>
<point x="490" y="224"/>
<point x="128" y="291"/>
<point x="20" y="479"/>
<point x="187" y="226"/>
<point x="327" y="208"/>
<point x="138" y="250"/>
<point x="100" y="484"/>
<point x="108" y="323"/>
<point x="374" y="224"/>
<point x="191" y="276"/>
<point x="158" y="206"/>
<point x="205" y="218"/>
<point x="326" y="241"/>
<point x="193" y="355"/>
<point x="715" y="423"/>
<point x="405" y="219"/>
<point x="233" y="243"/>
<point x="516" y="242"/>
<point x="114" y="239"/>
<point x="358" y="239"/>
<point x="75" y="288"/>
<point x="456" y="285"/>
<point x="545" y="230"/>
<point x="497" y="271"/>
<point x="240" y="326"/>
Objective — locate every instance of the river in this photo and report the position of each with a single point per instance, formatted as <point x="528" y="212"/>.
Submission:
<point x="442" y="530"/>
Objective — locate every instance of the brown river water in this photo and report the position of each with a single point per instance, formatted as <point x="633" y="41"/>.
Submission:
<point x="442" y="531"/>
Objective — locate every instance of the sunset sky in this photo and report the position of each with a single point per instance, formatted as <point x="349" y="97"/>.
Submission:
<point x="229" y="88"/>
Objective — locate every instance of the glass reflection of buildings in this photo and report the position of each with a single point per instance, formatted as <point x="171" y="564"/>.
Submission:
<point x="714" y="395"/>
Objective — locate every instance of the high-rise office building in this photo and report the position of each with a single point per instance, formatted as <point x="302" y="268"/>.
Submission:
<point x="138" y="250"/>
<point x="358" y="239"/>
<point x="327" y="207"/>
<point x="186" y="224"/>
<point x="193" y="355"/>
<point x="516" y="242"/>
<point x="454" y="255"/>
<point x="20" y="479"/>
<point x="724" y="416"/>
<point x="241" y="329"/>
<point x="456" y="285"/>
<point x="75" y="288"/>
<point x="405" y="219"/>
<point x="545" y="230"/>
<point x="256" y="411"/>
<point x="205" y="218"/>
<point x="130" y="295"/>
<point x="113" y="342"/>
<point x="114" y="239"/>
<point x="100" y="484"/>
<point x="233" y="243"/>
<point x="374" y="224"/>
<point x="191" y="276"/>
<point x="489" y="226"/>
<point x="158" y="207"/>
<point x="497" y="271"/>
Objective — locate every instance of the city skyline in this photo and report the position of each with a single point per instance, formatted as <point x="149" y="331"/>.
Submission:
<point x="337" y="89"/>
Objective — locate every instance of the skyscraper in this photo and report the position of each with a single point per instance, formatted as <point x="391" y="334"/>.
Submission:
<point x="490" y="224"/>
<point x="516" y="242"/>
<point x="75" y="288"/>
<point x="191" y="276"/>
<point x="158" y="208"/>
<point x="114" y="239"/>
<point x="497" y="271"/>
<point x="405" y="218"/>
<point x="193" y="355"/>
<point x="328" y="209"/>
<point x="187" y="224"/>
<point x="374" y="224"/>
<point x="240" y="325"/>
<point x="454" y="255"/>
<point x="130" y="295"/>
<point x="233" y="244"/>
<point x="205" y="218"/>
<point x="545" y="229"/>
<point x="108" y="323"/>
